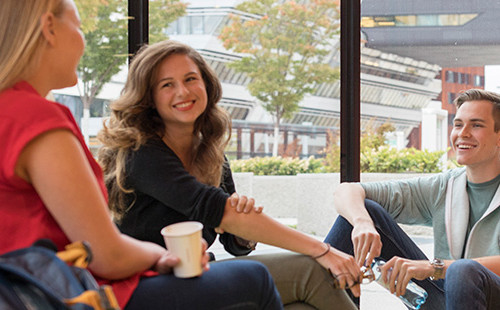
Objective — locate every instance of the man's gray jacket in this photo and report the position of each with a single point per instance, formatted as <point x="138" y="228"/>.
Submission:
<point x="441" y="201"/>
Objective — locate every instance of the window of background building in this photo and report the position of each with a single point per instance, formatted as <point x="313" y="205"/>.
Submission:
<point x="463" y="78"/>
<point x="451" y="97"/>
<point x="403" y="52"/>
<point x="467" y="79"/>
<point x="478" y="81"/>
<point x="417" y="20"/>
<point x="198" y="24"/>
<point x="450" y="77"/>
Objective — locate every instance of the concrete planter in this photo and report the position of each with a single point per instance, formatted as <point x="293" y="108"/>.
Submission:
<point x="308" y="198"/>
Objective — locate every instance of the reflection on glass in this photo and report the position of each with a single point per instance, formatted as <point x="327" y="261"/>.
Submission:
<point x="425" y="20"/>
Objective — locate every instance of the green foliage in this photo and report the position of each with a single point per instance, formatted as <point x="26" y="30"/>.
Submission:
<point x="377" y="156"/>
<point x="387" y="159"/>
<point x="106" y="37"/>
<point x="277" y="165"/>
<point x="161" y="14"/>
<point x="286" y="46"/>
<point x="452" y="164"/>
<point x="372" y="140"/>
<point x="105" y="27"/>
<point x="332" y="153"/>
<point x="384" y="159"/>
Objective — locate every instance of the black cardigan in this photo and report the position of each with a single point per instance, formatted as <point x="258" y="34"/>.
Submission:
<point x="165" y="193"/>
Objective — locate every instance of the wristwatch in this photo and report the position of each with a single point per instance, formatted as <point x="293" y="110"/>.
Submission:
<point x="438" y="265"/>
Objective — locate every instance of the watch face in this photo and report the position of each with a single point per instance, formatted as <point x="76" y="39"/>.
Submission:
<point x="437" y="262"/>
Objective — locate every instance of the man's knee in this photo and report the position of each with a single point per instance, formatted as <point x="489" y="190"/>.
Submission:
<point x="373" y="206"/>
<point x="462" y="269"/>
<point x="376" y="211"/>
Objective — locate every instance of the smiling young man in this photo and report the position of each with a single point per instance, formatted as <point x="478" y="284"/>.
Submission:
<point x="462" y="205"/>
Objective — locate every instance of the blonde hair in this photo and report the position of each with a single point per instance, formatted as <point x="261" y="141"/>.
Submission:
<point x="134" y="120"/>
<point x="21" y="37"/>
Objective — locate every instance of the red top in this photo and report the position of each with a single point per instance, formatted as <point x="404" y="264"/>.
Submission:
<point x="24" y="115"/>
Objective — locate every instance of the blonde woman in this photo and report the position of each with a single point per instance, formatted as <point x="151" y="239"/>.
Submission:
<point x="51" y="187"/>
<point x="163" y="158"/>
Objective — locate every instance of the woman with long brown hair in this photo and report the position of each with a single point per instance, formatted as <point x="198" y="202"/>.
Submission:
<point x="51" y="187"/>
<point x="163" y="159"/>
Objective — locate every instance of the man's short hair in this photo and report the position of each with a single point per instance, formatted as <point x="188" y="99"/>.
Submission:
<point x="481" y="94"/>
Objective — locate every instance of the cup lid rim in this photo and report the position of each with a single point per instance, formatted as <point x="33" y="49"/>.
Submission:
<point x="196" y="226"/>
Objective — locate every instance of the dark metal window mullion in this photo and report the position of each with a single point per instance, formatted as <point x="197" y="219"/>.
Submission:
<point x="350" y="90"/>
<point x="138" y="25"/>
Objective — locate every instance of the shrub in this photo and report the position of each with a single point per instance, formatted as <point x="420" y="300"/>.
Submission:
<point x="332" y="153"/>
<point x="387" y="159"/>
<point x="277" y="165"/>
<point x="377" y="156"/>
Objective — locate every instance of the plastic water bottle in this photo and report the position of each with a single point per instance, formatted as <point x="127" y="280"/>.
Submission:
<point x="414" y="297"/>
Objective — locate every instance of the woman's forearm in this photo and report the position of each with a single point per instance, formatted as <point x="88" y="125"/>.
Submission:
<point x="126" y="257"/>
<point x="262" y="228"/>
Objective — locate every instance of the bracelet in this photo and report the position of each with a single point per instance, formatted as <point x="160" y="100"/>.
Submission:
<point x="249" y="244"/>
<point x="324" y="253"/>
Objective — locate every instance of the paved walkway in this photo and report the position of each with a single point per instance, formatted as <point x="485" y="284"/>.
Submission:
<point x="373" y="296"/>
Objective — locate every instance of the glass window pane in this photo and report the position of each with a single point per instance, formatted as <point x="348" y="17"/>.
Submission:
<point x="197" y="25"/>
<point x="450" y="45"/>
<point x="102" y="68"/>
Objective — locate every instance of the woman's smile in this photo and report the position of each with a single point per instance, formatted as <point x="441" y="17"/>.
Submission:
<point x="184" y="106"/>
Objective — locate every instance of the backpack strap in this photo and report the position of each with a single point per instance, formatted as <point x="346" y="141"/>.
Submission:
<point x="77" y="254"/>
<point x="103" y="299"/>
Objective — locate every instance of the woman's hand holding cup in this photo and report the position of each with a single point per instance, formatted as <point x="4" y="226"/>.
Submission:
<point x="183" y="240"/>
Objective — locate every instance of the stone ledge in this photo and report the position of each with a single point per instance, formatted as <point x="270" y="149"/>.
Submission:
<point x="306" y="197"/>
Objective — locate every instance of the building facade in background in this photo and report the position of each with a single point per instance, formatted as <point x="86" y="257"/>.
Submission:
<point x="394" y="89"/>
<point x="460" y="36"/>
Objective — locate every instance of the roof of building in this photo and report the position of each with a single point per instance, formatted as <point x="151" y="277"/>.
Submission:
<point x="458" y="33"/>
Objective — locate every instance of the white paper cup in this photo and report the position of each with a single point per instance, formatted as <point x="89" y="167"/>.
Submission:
<point x="184" y="241"/>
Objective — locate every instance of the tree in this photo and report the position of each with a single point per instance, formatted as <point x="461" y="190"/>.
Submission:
<point x="286" y="45"/>
<point x="104" y="25"/>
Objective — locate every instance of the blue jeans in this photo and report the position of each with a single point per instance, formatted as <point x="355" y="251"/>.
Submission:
<point x="471" y="286"/>
<point x="395" y="242"/>
<point x="245" y="285"/>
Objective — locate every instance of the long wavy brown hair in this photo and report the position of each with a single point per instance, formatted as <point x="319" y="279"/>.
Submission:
<point x="134" y="120"/>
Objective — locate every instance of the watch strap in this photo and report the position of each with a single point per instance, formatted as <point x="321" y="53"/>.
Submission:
<point x="438" y="265"/>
